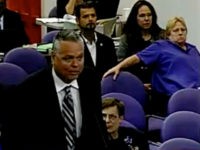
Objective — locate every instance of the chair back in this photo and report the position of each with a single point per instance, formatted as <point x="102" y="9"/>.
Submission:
<point x="11" y="74"/>
<point x="126" y="83"/>
<point x="49" y="36"/>
<point x="107" y="25"/>
<point x="181" y="124"/>
<point x="53" y="12"/>
<point x="134" y="112"/>
<point x="185" y="99"/>
<point x="27" y="58"/>
<point x="180" y="144"/>
<point x="126" y="124"/>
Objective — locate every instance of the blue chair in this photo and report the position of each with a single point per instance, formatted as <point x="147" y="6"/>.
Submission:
<point x="181" y="124"/>
<point x="11" y="74"/>
<point x="134" y="112"/>
<point x="128" y="84"/>
<point x="180" y="144"/>
<point x="185" y="100"/>
<point x="27" y="58"/>
<point x="53" y="12"/>
<point x="49" y="36"/>
<point x="127" y="124"/>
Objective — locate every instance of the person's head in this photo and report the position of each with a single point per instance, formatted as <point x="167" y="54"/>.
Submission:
<point x="142" y="17"/>
<point x="176" y="30"/>
<point x="113" y="113"/>
<point x="68" y="55"/>
<point x="2" y="6"/>
<point x="86" y="16"/>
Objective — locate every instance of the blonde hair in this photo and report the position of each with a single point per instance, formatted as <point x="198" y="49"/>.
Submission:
<point x="171" y="23"/>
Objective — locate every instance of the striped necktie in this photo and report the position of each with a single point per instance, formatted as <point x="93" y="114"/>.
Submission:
<point x="69" y="118"/>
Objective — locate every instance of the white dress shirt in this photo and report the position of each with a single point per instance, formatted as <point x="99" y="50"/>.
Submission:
<point x="1" y="23"/>
<point x="60" y="85"/>
<point x="91" y="47"/>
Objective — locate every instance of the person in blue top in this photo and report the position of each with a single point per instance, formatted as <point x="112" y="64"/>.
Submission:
<point x="176" y="64"/>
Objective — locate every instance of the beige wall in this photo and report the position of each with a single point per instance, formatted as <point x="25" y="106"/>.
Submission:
<point x="189" y="9"/>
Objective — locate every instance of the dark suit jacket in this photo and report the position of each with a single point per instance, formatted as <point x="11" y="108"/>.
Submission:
<point x="60" y="4"/>
<point x="106" y="8"/>
<point x="13" y="34"/>
<point x="34" y="121"/>
<point x="105" y="56"/>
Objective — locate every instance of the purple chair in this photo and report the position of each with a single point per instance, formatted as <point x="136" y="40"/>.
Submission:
<point x="127" y="124"/>
<point x="126" y="83"/>
<point x="11" y="74"/>
<point x="134" y="112"/>
<point x="181" y="124"/>
<point x="180" y="144"/>
<point x="27" y="58"/>
<point x="49" y="36"/>
<point x="185" y="100"/>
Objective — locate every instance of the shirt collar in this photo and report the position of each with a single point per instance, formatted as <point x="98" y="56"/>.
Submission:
<point x="84" y="38"/>
<point x="60" y="85"/>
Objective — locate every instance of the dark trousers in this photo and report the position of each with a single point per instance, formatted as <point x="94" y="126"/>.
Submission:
<point x="158" y="103"/>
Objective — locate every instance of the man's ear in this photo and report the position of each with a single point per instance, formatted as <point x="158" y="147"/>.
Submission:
<point x="52" y="55"/>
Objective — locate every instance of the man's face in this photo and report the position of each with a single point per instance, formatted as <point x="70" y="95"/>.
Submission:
<point x="112" y="119"/>
<point x="68" y="61"/>
<point x="88" y="18"/>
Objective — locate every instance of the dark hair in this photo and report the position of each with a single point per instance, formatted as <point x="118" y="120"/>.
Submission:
<point x="88" y="4"/>
<point x="132" y="28"/>
<point x="110" y="102"/>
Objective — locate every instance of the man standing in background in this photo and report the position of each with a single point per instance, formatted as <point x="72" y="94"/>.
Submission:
<point x="12" y="32"/>
<point x="100" y="53"/>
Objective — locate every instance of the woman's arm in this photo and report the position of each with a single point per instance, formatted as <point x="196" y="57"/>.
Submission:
<point x="70" y="7"/>
<point x="129" y="61"/>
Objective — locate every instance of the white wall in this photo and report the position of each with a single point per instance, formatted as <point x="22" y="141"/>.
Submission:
<point x="46" y="6"/>
<point x="188" y="9"/>
<point x="165" y="9"/>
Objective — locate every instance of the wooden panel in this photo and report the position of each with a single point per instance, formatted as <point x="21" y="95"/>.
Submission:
<point x="24" y="7"/>
<point x="33" y="31"/>
<point x="29" y="10"/>
<point x="36" y="10"/>
<point x="12" y="6"/>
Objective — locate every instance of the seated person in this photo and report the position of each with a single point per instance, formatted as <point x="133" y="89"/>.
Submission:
<point x="175" y="65"/>
<point x="109" y="7"/>
<point x="66" y="7"/>
<point x="140" y="30"/>
<point x="121" y="138"/>
<point x="12" y="33"/>
<point x="100" y="53"/>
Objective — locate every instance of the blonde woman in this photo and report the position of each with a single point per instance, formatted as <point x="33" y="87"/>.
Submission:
<point x="175" y="64"/>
